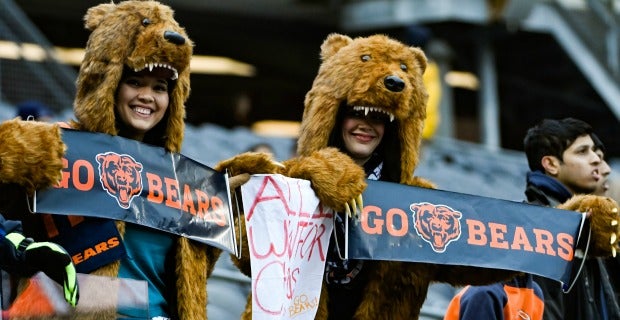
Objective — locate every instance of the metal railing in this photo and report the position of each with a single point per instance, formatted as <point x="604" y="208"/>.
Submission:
<point x="577" y="30"/>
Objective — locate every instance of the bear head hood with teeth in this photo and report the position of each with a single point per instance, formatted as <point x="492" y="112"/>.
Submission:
<point x="375" y="73"/>
<point x="150" y="38"/>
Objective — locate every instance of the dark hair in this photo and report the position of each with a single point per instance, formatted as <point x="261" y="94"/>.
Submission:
<point x="598" y="144"/>
<point x="552" y="137"/>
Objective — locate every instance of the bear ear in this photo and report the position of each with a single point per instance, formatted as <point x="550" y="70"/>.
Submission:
<point x="420" y="57"/>
<point x="332" y="44"/>
<point x="95" y="15"/>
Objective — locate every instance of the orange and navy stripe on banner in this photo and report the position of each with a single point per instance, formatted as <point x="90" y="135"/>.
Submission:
<point x="121" y="179"/>
<point x="405" y="223"/>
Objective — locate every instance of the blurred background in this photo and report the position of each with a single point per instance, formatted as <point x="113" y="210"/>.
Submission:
<point x="498" y="67"/>
<point x="503" y="65"/>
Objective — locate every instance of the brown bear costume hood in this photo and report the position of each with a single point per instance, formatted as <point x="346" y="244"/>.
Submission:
<point x="376" y="73"/>
<point x="134" y="35"/>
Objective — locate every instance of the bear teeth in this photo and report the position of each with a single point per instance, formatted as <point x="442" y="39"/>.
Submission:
<point x="150" y="66"/>
<point x="373" y="109"/>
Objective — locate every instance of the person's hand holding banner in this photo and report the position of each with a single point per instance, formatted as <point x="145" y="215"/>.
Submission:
<point x="235" y="182"/>
<point x="604" y="222"/>
<point x="250" y="162"/>
<point x="336" y="179"/>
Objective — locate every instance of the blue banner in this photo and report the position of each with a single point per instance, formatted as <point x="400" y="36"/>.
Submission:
<point x="406" y="223"/>
<point x="121" y="179"/>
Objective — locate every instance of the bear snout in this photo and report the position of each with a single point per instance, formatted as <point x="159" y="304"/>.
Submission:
<point x="394" y="83"/>
<point x="174" y="37"/>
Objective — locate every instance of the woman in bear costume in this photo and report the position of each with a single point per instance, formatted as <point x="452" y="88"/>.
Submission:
<point x="129" y="38"/>
<point x="379" y="77"/>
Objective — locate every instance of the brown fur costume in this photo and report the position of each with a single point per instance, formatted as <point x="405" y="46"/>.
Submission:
<point x="134" y="35"/>
<point x="363" y="72"/>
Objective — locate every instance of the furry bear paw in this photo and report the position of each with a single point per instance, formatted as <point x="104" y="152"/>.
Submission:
<point x="335" y="178"/>
<point x="241" y="166"/>
<point x="31" y="154"/>
<point x="603" y="213"/>
<point x="251" y="163"/>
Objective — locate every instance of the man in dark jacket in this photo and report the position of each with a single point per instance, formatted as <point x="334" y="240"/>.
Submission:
<point x="563" y="160"/>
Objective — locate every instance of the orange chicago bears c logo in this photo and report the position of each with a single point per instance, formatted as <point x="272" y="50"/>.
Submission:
<point x="436" y="224"/>
<point x="120" y="176"/>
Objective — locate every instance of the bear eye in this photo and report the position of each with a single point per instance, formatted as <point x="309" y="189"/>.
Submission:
<point x="403" y="67"/>
<point x="365" y="57"/>
<point x="146" y="21"/>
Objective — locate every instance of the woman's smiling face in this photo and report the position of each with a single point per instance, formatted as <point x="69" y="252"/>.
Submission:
<point x="142" y="101"/>
<point x="362" y="134"/>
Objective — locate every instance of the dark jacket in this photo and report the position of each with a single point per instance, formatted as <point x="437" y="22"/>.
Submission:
<point x="584" y="300"/>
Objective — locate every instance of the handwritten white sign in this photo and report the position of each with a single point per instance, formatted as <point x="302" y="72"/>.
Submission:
<point x="288" y="234"/>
